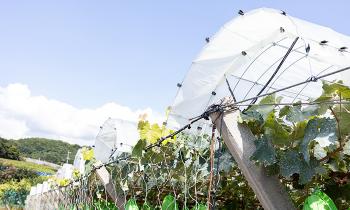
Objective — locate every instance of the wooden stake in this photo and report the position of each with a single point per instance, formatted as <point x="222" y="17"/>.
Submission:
<point x="240" y="141"/>
<point x="107" y="182"/>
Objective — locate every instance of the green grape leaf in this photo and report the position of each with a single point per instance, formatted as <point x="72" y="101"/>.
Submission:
<point x="323" y="107"/>
<point x="311" y="110"/>
<point x="322" y="130"/>
<point x="138" y="148"/>
<point x="152" y="133"/>
<point x="298" y="130"/>
<point x="253" y="120"/>
<point x="265" y="152"/>
<point x="290" y="163"/>
<point x="146" y="132"/>
<point x="226" y="162"/>
<point x="296" y="114"/>
<point x="292" y="113"/>
<point x="131" y="205"/>
<point x="338" y="164"/>
<point x="311" y="131"/>
<point x="329" y="89"/>
<point x="169" y="203"/>
<point x="327" y="132"/>
<point x="284" y="111"/>
<point x="309" y="170"/>
<point x="332" y="91"/>
<point x="166" y="132"/>
<point x="277" y="130"/>
<point x="251" y="116"/>
<point x="265" y="110"/>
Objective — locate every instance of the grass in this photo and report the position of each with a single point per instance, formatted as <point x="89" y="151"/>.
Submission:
<point x="27" y="165"/>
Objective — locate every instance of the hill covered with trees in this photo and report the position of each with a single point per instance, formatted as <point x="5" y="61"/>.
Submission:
<point x="50" y="150"/>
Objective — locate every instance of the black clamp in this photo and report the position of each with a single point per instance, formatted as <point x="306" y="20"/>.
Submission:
<point x="313" y="79"/>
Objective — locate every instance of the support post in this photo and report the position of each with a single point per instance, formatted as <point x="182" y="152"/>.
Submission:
<point x="107" y="182"/>
<point x="240" y="141"/>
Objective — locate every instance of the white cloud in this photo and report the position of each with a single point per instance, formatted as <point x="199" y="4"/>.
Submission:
<point x="24" y="115"/>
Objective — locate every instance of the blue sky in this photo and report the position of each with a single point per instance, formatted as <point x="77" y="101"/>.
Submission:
<point x="87" y="53"/>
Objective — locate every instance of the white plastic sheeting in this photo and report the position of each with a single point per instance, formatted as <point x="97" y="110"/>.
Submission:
<point x="33" y="190"/>
<point x="116" y="136"/>
<point x="79" y="162"/>
<point x="248" y="49"/>
<point x="65" y="172"/>
<point x="39" y="188"/>
<point x="46" y="187"/>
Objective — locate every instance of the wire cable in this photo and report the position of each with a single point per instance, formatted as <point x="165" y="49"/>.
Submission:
<point x="277" y="69"/>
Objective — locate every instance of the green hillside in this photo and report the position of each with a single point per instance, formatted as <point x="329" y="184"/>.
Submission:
<point x="26" y="166"/>
<point x="54" y="151"/>
<point x="50" y="150"/>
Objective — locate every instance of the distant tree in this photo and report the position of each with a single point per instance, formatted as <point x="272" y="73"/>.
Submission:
<point x="8" y="150"/>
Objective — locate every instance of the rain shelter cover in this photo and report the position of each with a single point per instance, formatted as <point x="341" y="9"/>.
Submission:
<point x="46" y="187"/>
<point x="79" y="162"/>
<point x="65" y="172"/>
<point x="39" y="188"/>
<point x="115" y="137"/>
<point x="247" y="50"/>
<point x="32" y="190"/>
